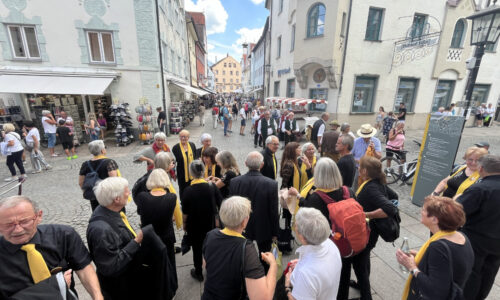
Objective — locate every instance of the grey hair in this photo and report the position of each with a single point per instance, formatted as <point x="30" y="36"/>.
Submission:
<point x="95" y="147"/>
<point x="327" y="174"/>
<point x="158" y="179"/>
<point x="347" y="140"/>
<point x="270" y="138"/>
<point x="45" y="112"/>
<point x="490" y="163"/>
<point x="312" y="225"/>
<point x="234" y="210"/>
<point x="13" y="201"/>
<point x="160" y="136"/>
<point x="197" y="169"/>
<point x="306" y="145"/>
<point x="254" y="161"/>
<point x="344" y="126"/>
<point x="325" y="114"/>
<point x="205" y="136"/>
<point x="109" y="189"/>
<point x="162" y="160"/>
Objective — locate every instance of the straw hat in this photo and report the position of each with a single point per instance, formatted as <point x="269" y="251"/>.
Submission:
<point x="367" y="131"/>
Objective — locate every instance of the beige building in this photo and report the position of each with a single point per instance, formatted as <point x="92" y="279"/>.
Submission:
<point x="227" y="72"/>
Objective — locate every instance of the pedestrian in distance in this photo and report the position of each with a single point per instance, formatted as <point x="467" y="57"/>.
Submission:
<point x="318" y="129"/>
<point x="13" y="149"/>
<point x="379" y="118"/>
<point x="267" y="127"/>
<point x="226" y="116"/>
<point x="395" y="144"/>
<point x="33" y="146"/>
<point x="215" y="116"/>
<point x="92" y="128"/>
<point x="402" y="112"/>
<point x="162" y="119"/>
<point x="49" y="130"/>
<point x="201" y="113"/>
<point x="66" y="137"/>
<point x="243" y="117"/>
<point x="388" y="122"/>
<point x="270" y="168"/>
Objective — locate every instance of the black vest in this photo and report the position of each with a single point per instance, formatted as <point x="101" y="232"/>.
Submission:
<point x="293" y="127"/>
<point x="264" y="126"/>
<point x="314" y="133"/>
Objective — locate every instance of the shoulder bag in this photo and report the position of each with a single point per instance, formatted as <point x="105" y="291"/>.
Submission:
<point x="388" y="228"/>
<point x="456" y="292"/>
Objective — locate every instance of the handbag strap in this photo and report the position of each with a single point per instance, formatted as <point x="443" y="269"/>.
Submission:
<point x="451" y="261"/>
<point x="243" y="292"/>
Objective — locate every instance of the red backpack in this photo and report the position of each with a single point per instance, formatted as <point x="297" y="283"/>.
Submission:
<point x="350" y="231"/>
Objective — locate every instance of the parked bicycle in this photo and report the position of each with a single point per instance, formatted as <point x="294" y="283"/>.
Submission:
<point x="400" y="171"/>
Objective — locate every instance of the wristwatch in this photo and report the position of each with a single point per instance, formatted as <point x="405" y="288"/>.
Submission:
<point x="288" y="289"/>
<point x="414" y="271"/>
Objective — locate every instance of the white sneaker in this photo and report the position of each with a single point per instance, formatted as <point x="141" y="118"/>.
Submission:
<point x="36" y="171"/>
<point x="24" y="176"/>
<point x="8" y="179"/>
<point x="389" y="175"/>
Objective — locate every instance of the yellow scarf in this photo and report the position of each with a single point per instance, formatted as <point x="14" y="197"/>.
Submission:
<point x="438" y="235"/>
<point x="158" y="190"/>
<point x="177" y="209"/>
<point x="361" y="187"/>
<point x="187" y="161"/>
<point x="127" y="224"/>
<point x="325" y="190"/>
<point x="296" y="178"/>
<point x="118" y="173"/>
<point x="213" y="171"/>
<point x="202" y="149"/>
<point x="303" y="172"/>
<point x="473" y="178"/>
<point x="274" y="165"/>
<point x="306" y="188"/>
<point x="196" y="181"/>
<point x="230" y="232"/>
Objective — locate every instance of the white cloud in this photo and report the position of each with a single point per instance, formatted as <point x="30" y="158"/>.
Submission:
<point x="215" y="14"/>
<point x="257" y="2"/>
<point x="214" y="57"/>
<point x="247" y="36"/>
<point x="210" y="47"/>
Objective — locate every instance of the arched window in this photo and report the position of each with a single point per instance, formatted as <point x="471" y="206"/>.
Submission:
<point x="316" y="20"/>
<point x="458" y="34"/>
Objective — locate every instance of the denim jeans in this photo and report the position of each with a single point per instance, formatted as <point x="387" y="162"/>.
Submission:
<point x="51" y="139"/>
<point x="226" y="123"/>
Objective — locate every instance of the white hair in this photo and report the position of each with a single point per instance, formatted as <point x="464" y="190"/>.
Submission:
<point x="45" y="112"/>
<point x="312" y="225"/>
<point x="109" y="189"/>
<point x="158" y="179"/>
<point x="13" y="201"/>
<point x="254" y="161"/>
<point x="95" y="147"/>
<point x="162" y="160"/>
<point x="327" y="174"/>
<point x="160" y="136"/>
<point x="306" y="145"/>
<point x="204" y="137"/>
<point x="234" y="210"/>
<point x="270" y="138"/>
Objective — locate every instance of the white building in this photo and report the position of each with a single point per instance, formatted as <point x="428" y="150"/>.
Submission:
<point x="258" y="65"/>
<point x="88" y="52"/>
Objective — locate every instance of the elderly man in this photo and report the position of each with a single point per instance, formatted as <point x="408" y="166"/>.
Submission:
<point x="113" y="243"/>
<point x="185" y="153"/>
<point x="366" y="141"/>
<point x="270" y="168"/>
<point x="346" y="163"/>
<point x="318" y="129"/>
<point x="257" y="118"/>
<point x="263" y="193"/>
<point x="31" y="253"/>
<point x="334" y="125"/>
<point x="481" y="203"/>
<point x="290" y="128"/>
<point x="148" y="154"/>
<point x="267" y="126"/>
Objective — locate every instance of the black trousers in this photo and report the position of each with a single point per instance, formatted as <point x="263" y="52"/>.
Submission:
<point x="15" y="158"/>
<point x="289" y="138"/>
<point x="288" y="218"/>
<point x="182" y="185"/>
<point x="264" y="246"/>
<point x="485" y="268"/>
<point x="361" y="266"/>
<point x="257" y="138"/>
<point x="197" y="245"/>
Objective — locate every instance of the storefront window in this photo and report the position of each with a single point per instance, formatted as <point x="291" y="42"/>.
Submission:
<point x="480" y="93"/>
<point x="444" y="92"/>
<point x="364" y="94"/>
<point x="407" y="91"/>
<point x="276" y="88"/>
<point x="320" y="94"/>
<point x="290" y="88"/>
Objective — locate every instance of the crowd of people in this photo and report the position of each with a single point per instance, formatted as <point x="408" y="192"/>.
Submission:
<point x="231" y="218"/>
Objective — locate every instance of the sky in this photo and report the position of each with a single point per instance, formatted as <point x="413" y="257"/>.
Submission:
<point x="230" y="23"/>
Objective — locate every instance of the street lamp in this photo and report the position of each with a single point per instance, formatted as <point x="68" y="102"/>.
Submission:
<point x="485" y="30"/>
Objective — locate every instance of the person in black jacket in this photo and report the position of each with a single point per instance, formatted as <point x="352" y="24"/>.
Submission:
<point x="185" y="154"/>
<point x="270" y="168"/>
<point x="113" y="243"/>
<point x="319" y="127"/>
<point x="481" y="204"/>
<point x="447" y="248"/>
<point x="346" y="163"/>
<point x="263" y="194"/>
<point x="212" y="169"/>
<point x="200" y="204"/>
<point x="374" y="195"/>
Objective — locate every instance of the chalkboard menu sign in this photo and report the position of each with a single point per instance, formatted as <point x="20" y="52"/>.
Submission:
<point x="437" y="154"/>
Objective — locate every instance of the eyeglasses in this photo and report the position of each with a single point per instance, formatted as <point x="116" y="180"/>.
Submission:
<point x="275" y="144"/>
<point x="23" y="223"/>
<point x="184" y="137"/>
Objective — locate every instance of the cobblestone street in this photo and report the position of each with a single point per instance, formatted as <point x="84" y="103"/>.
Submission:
<point x="60" y="198"/>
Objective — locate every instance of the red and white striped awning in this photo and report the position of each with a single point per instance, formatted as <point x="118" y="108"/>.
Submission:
<point x="294" y="101"/>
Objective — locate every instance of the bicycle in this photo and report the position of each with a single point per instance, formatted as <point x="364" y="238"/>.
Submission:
<point x="400" y="171"/>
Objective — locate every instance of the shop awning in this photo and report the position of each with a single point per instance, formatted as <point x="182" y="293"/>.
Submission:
<point x="191" y="89"/>
<point x="48" y="84"/>
<point x="208" y="90"/>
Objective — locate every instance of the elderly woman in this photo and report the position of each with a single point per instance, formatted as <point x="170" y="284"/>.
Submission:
<point x="447" y="249"/>
<point x="157" y="207"/>
<point x="200" y="203"/>
<point x="113" y="243"/>
<point x="309" y="151"/>
<point x="14" y="151"/>
<point x="185" y="154"/>
<point x="316" y="274"/>
<point x="103" y="166"/>
<point x="49" y="130"/>
<point x="229" y="170"/>
<point x="226" y="250"/>
<point x="148" y="154"/>
<point x="206" y="142"/>
<point x="212" y="169"/>
<point x="328" y="145"/>
<point x="33" y="143"/>
<point x="461" y="179"/>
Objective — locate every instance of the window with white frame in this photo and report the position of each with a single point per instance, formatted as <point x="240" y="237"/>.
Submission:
<point x="101" y="46"/>
<point x="24" y="42"/>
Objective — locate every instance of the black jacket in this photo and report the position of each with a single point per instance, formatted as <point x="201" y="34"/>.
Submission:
<point x="263" y="193"/>
<point x="314" y="132"/>
<point x="176" y="150"/>
<point x="373" y="196"/>
<point x="268" y="169"/>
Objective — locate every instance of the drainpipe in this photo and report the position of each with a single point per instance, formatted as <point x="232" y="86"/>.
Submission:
<point x="164" y="101"/>
<point x="344" y="55"/>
